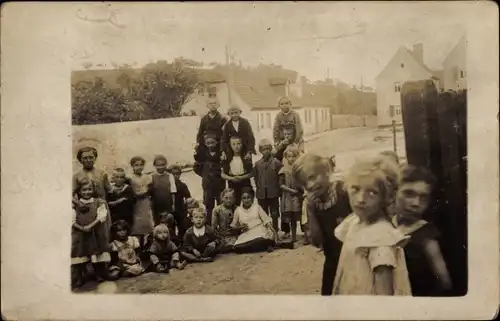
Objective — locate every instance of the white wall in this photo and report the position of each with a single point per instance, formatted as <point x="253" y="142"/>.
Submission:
<point x="454" y="65"/>
<point x="117" y="143"/>
<point x="386" y="94"/>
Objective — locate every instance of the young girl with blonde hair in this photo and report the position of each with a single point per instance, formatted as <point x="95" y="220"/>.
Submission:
<point x="372" y="258"/>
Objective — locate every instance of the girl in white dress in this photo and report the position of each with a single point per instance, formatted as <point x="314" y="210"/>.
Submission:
<point x="372" y="260"/>
<point x="258" y="233"/>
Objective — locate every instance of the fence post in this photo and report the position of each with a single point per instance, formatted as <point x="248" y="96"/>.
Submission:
<point x="394" y="136"/>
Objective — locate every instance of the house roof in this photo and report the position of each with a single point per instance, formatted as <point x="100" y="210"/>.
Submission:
<point x="408" y="53"/>
<point x="254" y="89"/>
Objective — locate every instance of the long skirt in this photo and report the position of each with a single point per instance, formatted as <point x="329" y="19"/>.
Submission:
<point x="143" y="217"/>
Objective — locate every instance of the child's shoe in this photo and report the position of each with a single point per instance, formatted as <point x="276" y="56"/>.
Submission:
<point x="182" y="265"/>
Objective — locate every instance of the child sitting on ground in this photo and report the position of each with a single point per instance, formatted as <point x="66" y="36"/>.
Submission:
<point x="372" y="260"/>
<point x="256" y="226"/>
<point x="200" y="241"/>
<point x="221" y="221"/>
<point x="427" y="269"/>
<point x="125" y="251"/>
<point x="163" y="253"/>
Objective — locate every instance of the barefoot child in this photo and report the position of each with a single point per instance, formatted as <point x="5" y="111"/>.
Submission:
<point x="237" y="169"/>
<point x="89" y="237"/>
<point x="141" y="185"/>
<point x="258" y="233"/>
<point x="221" y="221"/>
<point x="292" y="193"/>
<point x="163" y="188"/>
<point x="372" y="259"/>
<point x="121" y="198"/>
<point x="125" y="250"/>
<point x="163" y="253"/>
<point x="327" y="205"/>
<point x="200" y="241"/>
<point x="427" y="269"/>
<point x="266" y="176"/>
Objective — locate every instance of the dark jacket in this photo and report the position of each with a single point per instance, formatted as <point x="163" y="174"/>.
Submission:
<point x="208" y="167"/>
<point x="266" y="178"/>
<point x="245" y="132"/>
<point x="214" y="124"/>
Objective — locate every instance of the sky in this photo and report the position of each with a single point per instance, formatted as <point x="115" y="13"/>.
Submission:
<point x="353" y="40"/>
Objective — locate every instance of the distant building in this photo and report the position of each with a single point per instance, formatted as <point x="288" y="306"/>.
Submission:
<point x="454" y="74"/>
<point x="405" y="66"/>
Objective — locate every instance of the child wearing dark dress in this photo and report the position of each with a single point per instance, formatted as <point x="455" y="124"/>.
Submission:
<point x="265" y="173"/>
<point x="125" y="251"/>
<point x="163" y="188"/>
<point x="163" y="253"/>
<point x="181" y="195"/>
<point x="237" y="169"/>
<point x="208" y="166"/>
<point x="89" y="236"/>
<point x="327" y="204"/>
<point x="427" y="269"/>
<point x="121" y="198"/>
<point x="200" y="241"/>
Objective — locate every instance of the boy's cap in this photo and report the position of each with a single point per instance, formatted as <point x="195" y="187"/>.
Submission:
<point x="234" y="107"/>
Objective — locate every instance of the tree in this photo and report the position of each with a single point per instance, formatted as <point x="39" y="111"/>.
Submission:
<point x="165" y="88"/>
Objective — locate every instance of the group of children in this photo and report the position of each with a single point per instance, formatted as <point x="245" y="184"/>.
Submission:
<point x="371" y="229"/>
<point x="128" y="224"/>
<point x="369" y="225"/>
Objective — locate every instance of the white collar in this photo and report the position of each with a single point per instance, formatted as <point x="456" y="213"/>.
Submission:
<point x="199" y="231"/>
<point x="87" y="201"/>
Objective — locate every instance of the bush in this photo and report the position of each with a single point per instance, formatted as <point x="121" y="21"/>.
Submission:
<point x="159" y="90"/>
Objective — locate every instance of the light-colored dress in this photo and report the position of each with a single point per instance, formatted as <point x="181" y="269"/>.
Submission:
<point x="256" y="219"/>
<point x="129" y="260"/>
<point x="364" y="248"/>
<point x="143" y="215"/>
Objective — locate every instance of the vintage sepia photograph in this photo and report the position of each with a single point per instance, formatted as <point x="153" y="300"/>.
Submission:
<point x="213" y="172"/>
<point x="244" y="153"/>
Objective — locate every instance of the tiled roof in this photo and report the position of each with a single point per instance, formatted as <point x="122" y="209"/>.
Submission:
<point x="255" y="90"/>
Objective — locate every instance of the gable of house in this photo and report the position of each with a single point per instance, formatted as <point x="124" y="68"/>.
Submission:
<point x="404" y="66"/>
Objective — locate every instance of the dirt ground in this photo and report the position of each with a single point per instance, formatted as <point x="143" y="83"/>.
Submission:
<point x="283" y="271"/>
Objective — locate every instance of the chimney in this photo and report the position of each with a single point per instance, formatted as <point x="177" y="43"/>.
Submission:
<point x="418" y="52"/>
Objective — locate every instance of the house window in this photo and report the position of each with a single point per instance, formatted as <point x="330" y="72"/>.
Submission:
<point x="397" y="87"/>
<point x="395" y="110"/>
<point x="462" y="74"/>
<point x="402" y="65"/>
<point x="261" y="120"/>
<point x="310" y="115"/>
<point x="268" y="120"/>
